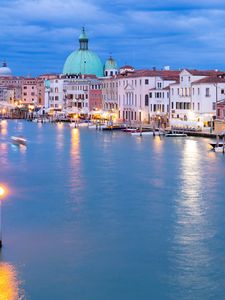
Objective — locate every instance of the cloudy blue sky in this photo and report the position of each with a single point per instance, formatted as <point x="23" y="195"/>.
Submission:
<point x="37" y="35"/>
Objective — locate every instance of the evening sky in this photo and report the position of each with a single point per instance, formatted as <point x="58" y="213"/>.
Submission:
<point x="36" y="36"/>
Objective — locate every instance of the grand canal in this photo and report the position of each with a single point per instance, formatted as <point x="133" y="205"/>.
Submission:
<point x="99" y="215"/>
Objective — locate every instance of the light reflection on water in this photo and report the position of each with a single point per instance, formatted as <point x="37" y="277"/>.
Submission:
<point x="75" y="182"/>
<point x="10" y="285"/>
<point x="60" y="137"/>
<point x="191" y="257"/>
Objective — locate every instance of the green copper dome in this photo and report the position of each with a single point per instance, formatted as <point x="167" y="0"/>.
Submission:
<point x="110" y="64"/>
<point x="83" y="61"/>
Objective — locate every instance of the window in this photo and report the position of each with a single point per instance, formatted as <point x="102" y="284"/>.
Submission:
<point x="214" y="105"/>
<point x="146" y="100"/>
<point x="146" y="81"/>
<point x="172" y="105"/>
<point x="207" y="92"/>
<point x="159" y="85"/>
<point x="150" y="95"/>
<point x="198" y="106"/>
<point x="222" y="91"/>
<point x="198" y="91"/>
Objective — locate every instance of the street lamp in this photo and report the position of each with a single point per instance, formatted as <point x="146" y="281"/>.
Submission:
<point x="3" y="193"/>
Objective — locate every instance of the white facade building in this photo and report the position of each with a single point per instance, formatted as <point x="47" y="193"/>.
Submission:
<point x="143" y="94"/>
<point x="194" y="97"/>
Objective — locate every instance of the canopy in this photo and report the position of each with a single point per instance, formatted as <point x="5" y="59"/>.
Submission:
<point x="5" y="104"/>
<point x="180" y="123"/>
<point x="72" y="110"/>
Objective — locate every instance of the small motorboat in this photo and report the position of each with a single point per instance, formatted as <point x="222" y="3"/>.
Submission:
<point x="153" y="133"/>
<point x="142" y="133"/>
<point x="174" y="134"/>
<point x="73" y="125"/>
<point x="129" y="130"/>
<point x="216" y="145"/>
<point x="18" y="140"/>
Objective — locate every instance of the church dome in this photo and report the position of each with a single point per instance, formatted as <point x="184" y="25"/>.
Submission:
<point x="83" y="61"/>
<point x="5" y="71"/>
<point x="110" y="64"/>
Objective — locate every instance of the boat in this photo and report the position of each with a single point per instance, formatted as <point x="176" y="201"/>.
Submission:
<point x="83" y="124"/>
<point x="216" y="145"/>
<point x="174" y="134"/>
<point x="129" y="130"/>
<point x="153" y="133"/>
<point x="73" y="125"/>
<point x="142" y="133"/>
<point x="113" y="127"/>
<point x="92" y="126"/>
<point x="18" y="140"/>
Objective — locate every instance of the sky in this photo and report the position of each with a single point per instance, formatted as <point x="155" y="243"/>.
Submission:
<point x="36" y="36"/>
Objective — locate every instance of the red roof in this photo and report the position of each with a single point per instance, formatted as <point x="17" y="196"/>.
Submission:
<point x="127" y="67"/>
<point x="165" y="74"/>
<point x="210" y="79"/>
<point x="203" y="72"/>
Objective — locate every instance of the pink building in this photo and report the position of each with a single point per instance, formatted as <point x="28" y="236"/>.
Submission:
<point x="220" y="110"/>
<point x="95" y="97"/>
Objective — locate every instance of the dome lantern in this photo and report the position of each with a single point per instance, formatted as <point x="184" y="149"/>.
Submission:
<point x="83" y="39"/>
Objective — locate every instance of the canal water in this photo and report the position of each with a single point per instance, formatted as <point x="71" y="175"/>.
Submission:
<point x="103" y="215"/>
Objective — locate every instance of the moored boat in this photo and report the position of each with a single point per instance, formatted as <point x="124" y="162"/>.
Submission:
<point x="173" y="134"/>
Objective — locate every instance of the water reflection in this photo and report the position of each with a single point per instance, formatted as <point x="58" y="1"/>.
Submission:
<point x="3" y="128"/>
<point x="19" y="148"/>
<point x="75" y="175"/>
<point x="59" y="136"/>
<point x="191" y="255"/>
<point x="10" y="286"/>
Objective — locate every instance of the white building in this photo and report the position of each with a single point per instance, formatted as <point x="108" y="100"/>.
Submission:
<point x="194" y="97"/>
<point x="144" y="93"/>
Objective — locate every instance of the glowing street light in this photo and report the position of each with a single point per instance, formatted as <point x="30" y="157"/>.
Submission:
<point x="3" y="193"/>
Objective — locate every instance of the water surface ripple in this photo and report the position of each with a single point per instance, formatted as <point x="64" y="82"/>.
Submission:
<point x="103" y="215"/>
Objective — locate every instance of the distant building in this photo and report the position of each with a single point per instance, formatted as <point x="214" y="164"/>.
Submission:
<point x="5" y="71"/>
